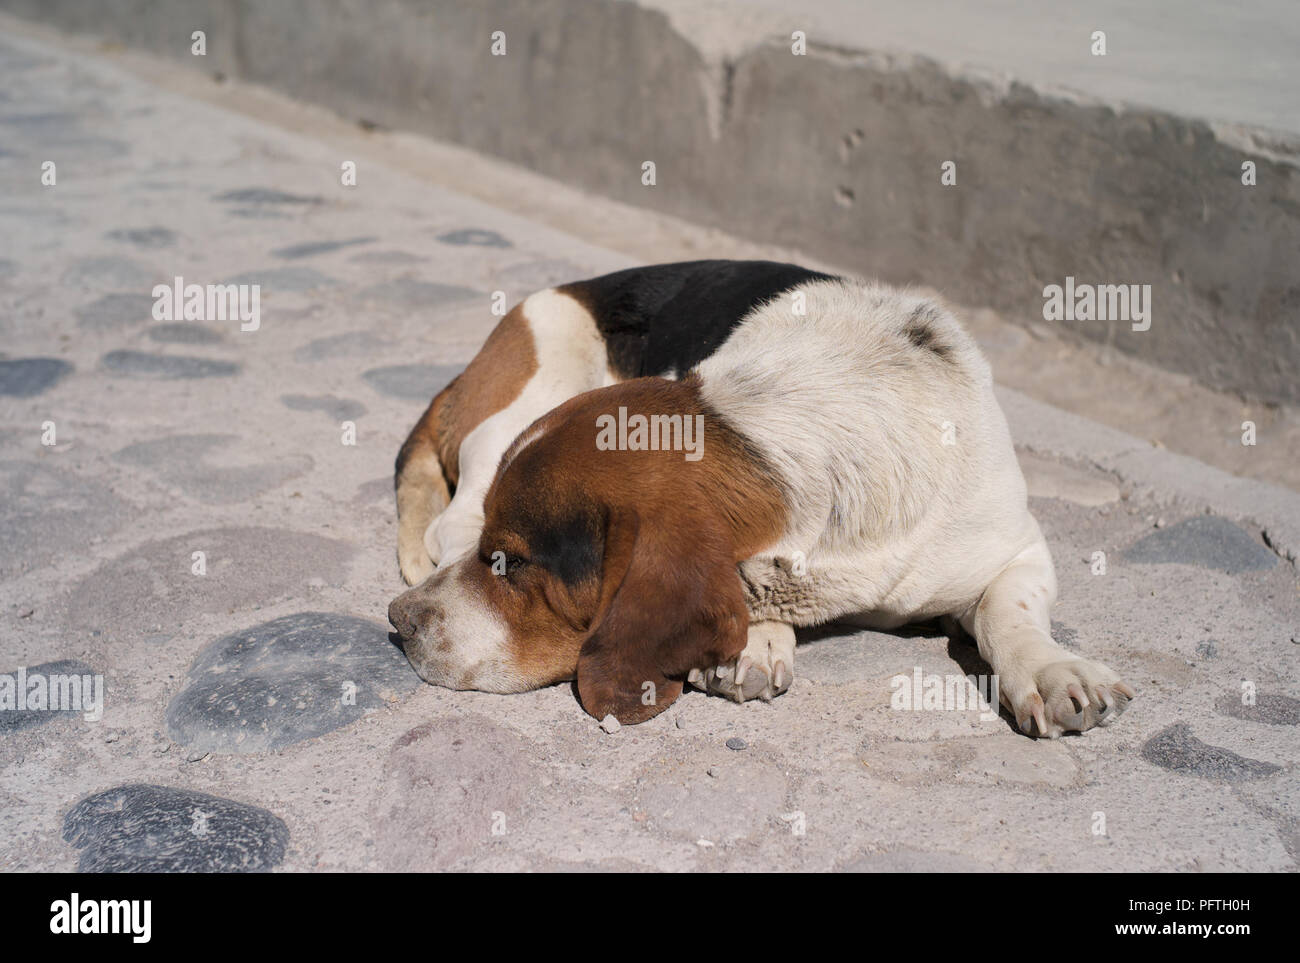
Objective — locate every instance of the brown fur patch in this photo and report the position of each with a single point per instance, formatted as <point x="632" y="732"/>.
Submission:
<point x="494" y="379"/>
<point x="628" y="559"/>
<point x="428" y="466"/>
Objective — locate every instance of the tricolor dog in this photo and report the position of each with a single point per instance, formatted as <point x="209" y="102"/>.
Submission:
<point x="853" y="464"/>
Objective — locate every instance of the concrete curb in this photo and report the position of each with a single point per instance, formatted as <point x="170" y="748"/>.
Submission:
<point x="837" y="153"/>
<point x="1041" y="428"/>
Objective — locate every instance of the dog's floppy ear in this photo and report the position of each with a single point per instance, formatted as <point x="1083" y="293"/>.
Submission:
<point x="670" y="602"/>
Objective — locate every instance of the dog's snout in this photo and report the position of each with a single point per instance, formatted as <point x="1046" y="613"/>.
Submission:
<point x="407" y="613"/>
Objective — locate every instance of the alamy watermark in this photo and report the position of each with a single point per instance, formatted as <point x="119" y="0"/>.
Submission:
<point x="684" y="433"/>
<point x="179" y="301"/>
<point x="952" y="693"/>
<point x="22" y="691"/>
<point x="1098" y="302"/>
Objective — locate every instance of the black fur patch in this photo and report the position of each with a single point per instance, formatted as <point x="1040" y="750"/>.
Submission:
<point x="673" y="316"/>
<point x="570" y="547"/>
<point x="921" y="333"/>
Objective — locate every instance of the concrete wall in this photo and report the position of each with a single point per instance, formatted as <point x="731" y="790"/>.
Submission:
<point x="837" y="152"/>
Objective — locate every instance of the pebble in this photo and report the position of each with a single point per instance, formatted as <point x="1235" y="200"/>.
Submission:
<point x="610" y="724"/>
<point x="736" y="743"/>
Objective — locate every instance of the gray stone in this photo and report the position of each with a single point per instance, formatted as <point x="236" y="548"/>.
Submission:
<point x="141" y="364"/>
<point x="15" y="719"/>
<point x="287" y="680"/>
<point x="412" y="382"/>
<point x="386" y="257"/>
<point x="737" y="744"/>
<point x="1207" y="541"/>
<point x="743" y="797"/>
<point x="339" y="346"/>
<point x="339" y="409"/>
<point x="1273" y="710"/>
<point x="478" y="237"/>
<point x="184" y="332"/>
<point x="140" y="828"/>
<point x="190" y="462"/>
<point x="152" y="587"/>
<point x="377" y="489"/>
<point x="444" y="783"/>
<point x="1176" y="749"/>
<point x="42" y="121"/>
<point x="259" y="213"/>
<point x="46" y="511"/>
<point x="28" y="377"/>
<point x="1064" y="635"/>
<point x="410" y="293"/>
<point x="264" y="195"/>
<point x="295" y="278"/>
<point x="312" y="248"/>
<point x="529" y="276"/>
<point x="114" y="311"/>
<point x="111" y="272"/>
<point x="147" y="237"/>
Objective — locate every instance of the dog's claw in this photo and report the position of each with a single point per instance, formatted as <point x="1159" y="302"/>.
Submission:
<point x="1075" y="691"/>
<point x="1068" y="695"/>
<point x="761" y="671"/>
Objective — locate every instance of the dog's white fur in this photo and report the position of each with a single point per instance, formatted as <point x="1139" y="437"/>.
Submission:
<point x="904" y="497"/>
<point x="571" y="359"/>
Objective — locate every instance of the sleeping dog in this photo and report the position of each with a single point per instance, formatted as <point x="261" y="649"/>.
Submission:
<point x="853" y="465"/>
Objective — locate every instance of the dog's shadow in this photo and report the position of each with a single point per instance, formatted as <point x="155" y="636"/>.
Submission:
<point x="961" y="647"/>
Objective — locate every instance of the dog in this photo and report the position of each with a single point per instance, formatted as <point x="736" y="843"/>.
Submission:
<point x="853" y="465"/>
<point x="557" y="343"/>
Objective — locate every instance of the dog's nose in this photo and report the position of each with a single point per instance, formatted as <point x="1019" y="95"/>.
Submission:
<point x="401" y="615"/>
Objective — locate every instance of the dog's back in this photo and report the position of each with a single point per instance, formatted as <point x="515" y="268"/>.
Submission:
<point x="877" y="410"/>
<point x="657" y="320"/>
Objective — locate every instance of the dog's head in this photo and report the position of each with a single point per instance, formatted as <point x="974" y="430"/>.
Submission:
<point x="611" y="565"/>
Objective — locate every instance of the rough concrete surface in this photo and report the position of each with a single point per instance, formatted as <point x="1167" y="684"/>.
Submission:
<point x="838" y="151"/>
<point x="189" y="446"/>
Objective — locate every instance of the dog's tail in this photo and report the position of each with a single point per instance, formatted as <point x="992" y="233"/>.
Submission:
<point x="422" y="494"/>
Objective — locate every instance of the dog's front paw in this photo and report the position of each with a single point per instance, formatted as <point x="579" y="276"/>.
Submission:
<point x="763" y="670"/>
<point x="1069" y="695"/>
<point x="414" y="563"/>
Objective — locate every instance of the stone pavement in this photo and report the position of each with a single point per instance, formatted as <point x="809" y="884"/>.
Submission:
<point x="255" y="714"/>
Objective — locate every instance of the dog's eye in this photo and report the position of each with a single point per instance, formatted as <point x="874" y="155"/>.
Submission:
<point x="503" y="563"/>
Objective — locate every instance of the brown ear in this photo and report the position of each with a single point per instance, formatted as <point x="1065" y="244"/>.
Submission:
<point x="670" y="602"/>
